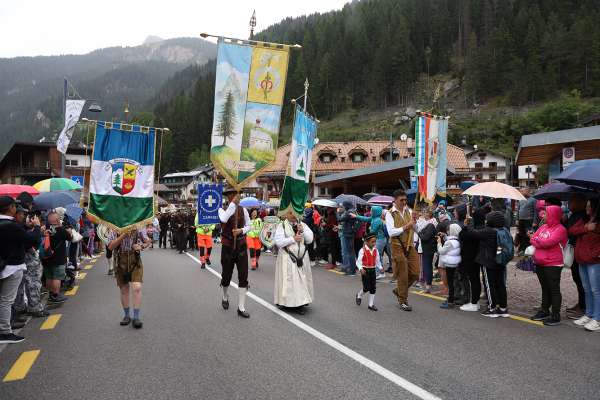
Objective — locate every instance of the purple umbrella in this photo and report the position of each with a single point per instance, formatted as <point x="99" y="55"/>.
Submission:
<point x="381" y="200"/>
<point x="561" y="191"/>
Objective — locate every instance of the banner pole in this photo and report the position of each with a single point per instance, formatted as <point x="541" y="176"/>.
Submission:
<point x="253" y="42"/>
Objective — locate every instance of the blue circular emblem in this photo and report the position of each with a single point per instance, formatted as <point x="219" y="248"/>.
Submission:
<point x="210" y="200"/>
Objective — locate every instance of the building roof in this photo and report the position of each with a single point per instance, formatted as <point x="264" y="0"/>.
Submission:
<point x="373" y="148"/>
<point x="187" y="174"/>
<point x="541" y="148"/>
<point x="478" y="149"/>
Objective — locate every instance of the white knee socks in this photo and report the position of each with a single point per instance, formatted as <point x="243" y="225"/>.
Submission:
<point x="225" y="296"/>
<point x="371" y="299"/>
<point x="242" y="298"/>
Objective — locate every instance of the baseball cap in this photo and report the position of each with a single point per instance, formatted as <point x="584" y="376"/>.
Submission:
<point x="6" y="201"/>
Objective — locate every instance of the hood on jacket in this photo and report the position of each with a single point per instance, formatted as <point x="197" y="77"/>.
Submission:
<point x="376" y="212"/>
<point x="553" y="215"/>
<point x="454" y="230"/>
<point x="495" y="219"/>
<point x="347" y="205"/>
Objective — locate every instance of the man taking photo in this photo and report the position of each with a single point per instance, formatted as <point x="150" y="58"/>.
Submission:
<point x="55" y="259"/>
<point x="14" y="239"/>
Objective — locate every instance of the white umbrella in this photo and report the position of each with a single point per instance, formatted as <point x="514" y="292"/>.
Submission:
<point x="494" y="190"/>
<point x="324" y="203"/>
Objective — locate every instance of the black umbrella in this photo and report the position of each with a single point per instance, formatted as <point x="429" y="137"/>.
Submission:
<point x="561" y="191"/>
<point x="584" y="173"/>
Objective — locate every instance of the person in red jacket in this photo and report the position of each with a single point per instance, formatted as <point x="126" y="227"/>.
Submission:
<point x="587" y="254"/>
<point x="549" y="241"/>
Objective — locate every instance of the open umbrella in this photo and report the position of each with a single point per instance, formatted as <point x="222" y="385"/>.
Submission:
<point x="324" y="203"/>
<point x="381" y="200"/>
<point x="584" y="173"/>
<point x="50" y="200"/>
<point x="250" y="202"/>
<point x="355" y="200"/>
<point x="73" y="211"/>
<point x="368" y="196"/>
<point x="464" y="185"/>
<point x="15" y="190"/>
<point x="495" y="190"/>
<point x="52" y="184"/>
<point x="561" y="191"/>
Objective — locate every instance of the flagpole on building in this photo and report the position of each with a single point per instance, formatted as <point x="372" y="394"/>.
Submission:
<point x="64" y="109"/>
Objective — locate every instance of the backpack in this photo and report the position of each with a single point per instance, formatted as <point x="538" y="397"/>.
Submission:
<point x="505" y="250"/>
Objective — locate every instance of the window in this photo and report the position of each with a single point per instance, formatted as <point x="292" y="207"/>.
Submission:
<point x="493" y="164"/>
<point x="492" y="177"/>
<point x="343" y="159"/>
<point x="478" y="165"/>
<point x="324" y="191"/>
<point x="478" y="177"/>
<point x="326" y="158"/>
<point x="528" y="170"/>
<point x="357" y="157"/>
<point x="373" y="159"/>
<point x="71" y="162"/>
<point x="482" y="156"/>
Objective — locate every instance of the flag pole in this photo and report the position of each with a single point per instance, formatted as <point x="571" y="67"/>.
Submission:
<point x="251" y="42"/>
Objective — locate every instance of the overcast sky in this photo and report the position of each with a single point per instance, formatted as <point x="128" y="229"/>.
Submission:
<point x="52" y="27"/>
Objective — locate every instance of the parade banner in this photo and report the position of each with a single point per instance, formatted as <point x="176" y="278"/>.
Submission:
<point x="249" y="90"/>
<point x="431" y="139"/>
<point x="72" y="113"/>
<point x="295" y="185"/>
<point x="122" y="175"/>
<point x="210" y="199"/>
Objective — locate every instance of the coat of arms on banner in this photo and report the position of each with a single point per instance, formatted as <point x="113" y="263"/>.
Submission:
<point x="124" y="173"/>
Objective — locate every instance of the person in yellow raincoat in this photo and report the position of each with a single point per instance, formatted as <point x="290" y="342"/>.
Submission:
<point x="205" y="241"/>
<point x="253" y="238"/>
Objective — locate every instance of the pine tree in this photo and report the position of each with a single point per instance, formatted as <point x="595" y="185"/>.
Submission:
<point x="226" y="125"/>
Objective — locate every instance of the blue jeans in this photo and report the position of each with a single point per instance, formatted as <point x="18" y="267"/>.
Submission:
<point x="590" y="278"/>
<point x="348" y="257"/>
<point x="427" y="267"/>
<point x="380" y="245"/>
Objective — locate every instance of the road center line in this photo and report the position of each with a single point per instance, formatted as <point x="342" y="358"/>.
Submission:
<point x="372" y="365"/>
<point x="21" y="367"/>
<point x="50" y="322"/>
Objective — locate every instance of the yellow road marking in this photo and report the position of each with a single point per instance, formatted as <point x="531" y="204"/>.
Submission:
<point x="523" y="319"/>
<point x="431" y="296"/>
<point x="50" y="322"/>
<point x="336" y="272"/>
<point x="81" y="275"/>
<point x="88" y="266"/>
<point x="93" y="260"/>
<point x="73" y="291"/>
<point x="22" y="366"/>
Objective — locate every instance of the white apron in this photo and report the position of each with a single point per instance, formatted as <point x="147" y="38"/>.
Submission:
<point x="293" y="285"/>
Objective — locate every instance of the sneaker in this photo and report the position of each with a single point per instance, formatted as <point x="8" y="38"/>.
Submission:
<point x="552" y="320"/>
<point x="582" y="321"/>
<point x="323" y="262"/>
<point x="502" y="313"/>
<point x="17" y="325"/>
<point x="39" y="314"/>
<point x="491" y="313"/>
<point x="541" y="316"/>
<point x="380" y="276"/>
<point x="208" y="263"/>
<point x="592" y="326"/>
<point x="445" y="305"/>
<point x="137" y="324"/>
<point x="57" y="298"/>
<point x="358" y="300"/>
<point x="469" y="307"/>
<point x="7" y="338"/>
<point x="372" y="308"/>
<point x="338" y="263"/>
<point x="574" y="313"/>
<point x="405" y="307"/>
<point x="125" y="321"/>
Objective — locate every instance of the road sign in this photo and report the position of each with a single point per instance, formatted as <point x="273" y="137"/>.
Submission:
<point x="78" y="179"/>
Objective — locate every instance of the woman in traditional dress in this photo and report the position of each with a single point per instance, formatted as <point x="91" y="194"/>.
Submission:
<point x="293" y="275"/>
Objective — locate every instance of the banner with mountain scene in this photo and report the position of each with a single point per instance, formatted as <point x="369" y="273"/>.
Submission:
<point x="295" y="185"/>
<point x="431" y="140"/>
<point x="249" y="89"/>
<point x="122" y="175"/>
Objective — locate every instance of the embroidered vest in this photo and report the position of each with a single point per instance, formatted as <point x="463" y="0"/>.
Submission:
<point x="236" y="221"/>
<point x="369" y="257"/>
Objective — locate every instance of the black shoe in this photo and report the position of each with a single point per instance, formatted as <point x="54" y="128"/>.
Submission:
<point x="552" y="320"/>
<point x="137" y="324"/>
<point x="208" y="263"/>
<point x="125" y="321"/>
<point x="202" y="266"/>
<point x="300" y="310"/>
<point x="372" y="308"/>
<point x="17" y="325"/>
<point x="358" y="300"/>
<point x="243" y="314"/>
<point x="541" y="316"/>
<point x="225" y="304"/>
<point x="57" y="298"/>
<point x="7" y="338"/>
<point x="20" y="318"/>
<point x="110" y="272"/>
<point x="491" y="313"/>
<point x="405" y="307"/>
<point x="39" y="314"/>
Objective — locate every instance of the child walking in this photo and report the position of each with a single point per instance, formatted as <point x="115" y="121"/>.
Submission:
<point x="368" y="263"/>
<point x="449" y="251"/>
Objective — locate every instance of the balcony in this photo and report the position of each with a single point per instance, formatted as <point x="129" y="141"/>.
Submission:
<point x="489" y="169"/>
<point x="31" y="171"/>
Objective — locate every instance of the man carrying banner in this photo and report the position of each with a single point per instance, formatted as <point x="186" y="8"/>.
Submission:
<point x="399" y="224"/>
<point x="129" y="270"/>
<point x="235" y="223"/>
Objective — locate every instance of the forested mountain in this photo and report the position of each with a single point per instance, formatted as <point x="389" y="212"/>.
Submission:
<point x="31" y="87"/>
<point x="383" y="54"/>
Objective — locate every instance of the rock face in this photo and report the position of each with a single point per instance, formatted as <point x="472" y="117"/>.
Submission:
<point x="410" y="112"/>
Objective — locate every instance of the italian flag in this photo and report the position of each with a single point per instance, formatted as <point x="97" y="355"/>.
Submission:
<point x="122" y="175"/>
<point x="295" y="185"/>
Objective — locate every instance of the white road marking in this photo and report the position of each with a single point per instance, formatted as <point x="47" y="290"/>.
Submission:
<point x="372" y="365"/>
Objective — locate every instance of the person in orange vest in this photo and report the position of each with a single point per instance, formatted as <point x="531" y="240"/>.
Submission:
<point x="253" y="238"/>
<point x="205" y="241"/>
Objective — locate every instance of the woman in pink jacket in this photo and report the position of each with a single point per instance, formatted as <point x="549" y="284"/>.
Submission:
<point x="549" y="241"/>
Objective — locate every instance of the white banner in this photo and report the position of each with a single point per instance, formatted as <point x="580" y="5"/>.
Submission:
<point x="72" y="113"/>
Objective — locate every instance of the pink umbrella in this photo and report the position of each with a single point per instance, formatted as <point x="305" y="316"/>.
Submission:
<point x="15" y="190"/>
<point x="381" y="200"/>
<point x="494" y="190"/>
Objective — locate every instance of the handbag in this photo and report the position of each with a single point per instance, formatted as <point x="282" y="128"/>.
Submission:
<point x="568" y="255"/>
<point x="75" y="236"/>
<point x="529" y="251"/>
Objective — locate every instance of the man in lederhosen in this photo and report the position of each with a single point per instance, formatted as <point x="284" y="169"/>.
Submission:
<point x="235" y="223"/>
<point x="399" y="223"/>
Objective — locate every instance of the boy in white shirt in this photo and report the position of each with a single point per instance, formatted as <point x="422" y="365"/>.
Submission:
<point x="368" y="263"/>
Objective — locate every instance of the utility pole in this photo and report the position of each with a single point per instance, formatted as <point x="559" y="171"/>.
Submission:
<point x="64" y="108"/>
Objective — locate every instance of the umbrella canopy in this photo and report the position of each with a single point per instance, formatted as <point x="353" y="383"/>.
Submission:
<point x="52" y="184"/>
<point x="50" y="200"/>
<point x="467" y="184"/>
<point x="584" y="173"/>
<point x="324" y="203"/>
<point x="15" y="190"/>
<point x="250" y="202"/>
<point x="381" y="200"/>
<point x="495" y="190"/>
<point x="368" y="196"/>
<point x="73" y="211"/>
<point x="561" y="191"/>
<point x="355" y="200"/>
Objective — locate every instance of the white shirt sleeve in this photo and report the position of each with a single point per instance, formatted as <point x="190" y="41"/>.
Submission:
<point x="247" y="222"/>
<point x="389" y="224"/>
<point x="307" y="233"/>
<point x="359" y="259"/>
<point x="378" y="265"/>
<point x="224" y="215"/>
<point x="279" y="238"/>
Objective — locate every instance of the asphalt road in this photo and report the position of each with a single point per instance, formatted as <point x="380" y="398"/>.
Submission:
<point x="191" y="348"/>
